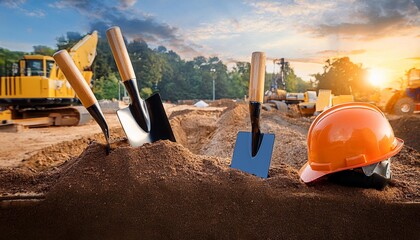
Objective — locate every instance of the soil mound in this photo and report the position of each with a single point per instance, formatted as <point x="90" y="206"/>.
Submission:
<point x="232" y="121"/>
<point x="167" y="190"/>
<point x="58" y="154"/>
<point x="408" y="129"/>
<point x="162" y="191"/>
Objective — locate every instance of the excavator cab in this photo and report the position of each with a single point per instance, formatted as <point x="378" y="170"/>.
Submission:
<point x="37" y="65"/>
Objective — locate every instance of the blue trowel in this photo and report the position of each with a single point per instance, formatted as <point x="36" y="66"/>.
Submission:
<point x="253" y="150"/>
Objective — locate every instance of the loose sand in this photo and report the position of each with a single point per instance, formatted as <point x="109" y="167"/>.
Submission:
<point x="187" y="190"/>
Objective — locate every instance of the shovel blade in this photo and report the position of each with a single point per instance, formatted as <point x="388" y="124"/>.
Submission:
<point x="160" y="129"/>
<point x="242" y="155"/>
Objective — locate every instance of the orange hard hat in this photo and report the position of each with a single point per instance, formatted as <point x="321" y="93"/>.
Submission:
<point x="347" y="136"/>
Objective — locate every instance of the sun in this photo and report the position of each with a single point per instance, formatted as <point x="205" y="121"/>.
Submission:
<point x="377" y="77"/>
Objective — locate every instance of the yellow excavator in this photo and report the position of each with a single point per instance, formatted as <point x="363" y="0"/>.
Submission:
<point x="36" y="91"/>
<point x="277" y="96"/>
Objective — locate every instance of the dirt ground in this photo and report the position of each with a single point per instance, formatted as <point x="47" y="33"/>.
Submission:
<point x="58" y="183"/>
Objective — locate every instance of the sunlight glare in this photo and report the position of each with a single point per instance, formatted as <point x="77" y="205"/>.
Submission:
<point x="377" y="77"/>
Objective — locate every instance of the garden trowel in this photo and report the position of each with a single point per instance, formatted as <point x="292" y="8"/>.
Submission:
<point x="144" y="121"/>
<point x="253" y="150"/>
<point x="83" y="91"/>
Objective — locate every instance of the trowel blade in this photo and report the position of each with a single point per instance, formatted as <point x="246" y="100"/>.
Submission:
<point x="242" y="156"/>
<point x="135" y="134"/>
<point x="160" y="128"/>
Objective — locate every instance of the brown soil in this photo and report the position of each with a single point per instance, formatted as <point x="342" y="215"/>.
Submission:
<point x="408" y="129"/>
<point x="187" y="190"/>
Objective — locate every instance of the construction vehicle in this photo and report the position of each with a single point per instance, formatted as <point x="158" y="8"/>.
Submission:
<point x="405" y="100"/>
<point x="277" y="96"/>
<point x="35" y="91"/>
<point x="306" y="104"/>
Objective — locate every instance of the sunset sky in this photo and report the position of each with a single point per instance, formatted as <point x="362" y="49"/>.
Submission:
<point x="382" y="35"/>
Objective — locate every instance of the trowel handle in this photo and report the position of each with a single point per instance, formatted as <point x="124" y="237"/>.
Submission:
<point x="119" y="50"/>
<point x="257" y="77"/>
<point x="75" y="78"/>
<point x="83" y="91"/>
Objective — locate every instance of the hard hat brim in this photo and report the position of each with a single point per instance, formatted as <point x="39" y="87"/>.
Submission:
<point x="308" y="175"/>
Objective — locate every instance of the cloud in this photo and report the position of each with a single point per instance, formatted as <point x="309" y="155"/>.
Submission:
<point x="414" y="58"/>
<point x="12" y="3"/>
<point x="370" y="19"/>
<point x="17" y="4"/>
<point x="343" y="53"/>
<point x="315" y="60"/>
<point x="35" y="13"/>
<point x="361" y="19"/>
<point x="134" y="24"/>
<point x="127" y="3"/>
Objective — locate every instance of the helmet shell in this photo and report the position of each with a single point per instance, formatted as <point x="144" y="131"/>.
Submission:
<point x="348" y="136"/>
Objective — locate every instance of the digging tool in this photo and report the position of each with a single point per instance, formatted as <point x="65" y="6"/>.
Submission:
<point x="83" y="91"/>
<point x="144" y="121"/>
<point x="253" y="150"/>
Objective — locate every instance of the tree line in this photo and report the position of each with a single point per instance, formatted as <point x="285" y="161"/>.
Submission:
<point x="163" y="70"/>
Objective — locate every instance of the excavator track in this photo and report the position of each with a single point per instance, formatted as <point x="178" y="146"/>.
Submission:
<point x="59" y="116"/>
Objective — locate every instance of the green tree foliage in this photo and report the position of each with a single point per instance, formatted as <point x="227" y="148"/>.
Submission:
<point x="146" y="92"/>
<point x="239" y="80"/>
<point x="7" y="58"/>
<point x="106" y="87"/>
<point x="43" y="50"/>
<point x="295" y="83"/>
<point x="343" y="77"/>
<point x="104" y="63"/>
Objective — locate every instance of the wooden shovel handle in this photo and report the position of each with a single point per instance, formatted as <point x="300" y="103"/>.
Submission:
<point x="119" y="50"/>
<point x="257" y="77"/>
<point x="75" y="78"/>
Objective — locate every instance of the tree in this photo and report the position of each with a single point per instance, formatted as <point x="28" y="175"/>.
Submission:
<point x="106" y="87"/>
<point x="342" y="77"/>
<point x="238" y="80"/>
<point x="104" y="63"/>
<point x="43" y="50"/>
<point x="295" y="83"/>
<point x="7" y="58"/>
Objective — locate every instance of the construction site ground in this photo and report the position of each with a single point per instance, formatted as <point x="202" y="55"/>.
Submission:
<point x="58" y="183"/>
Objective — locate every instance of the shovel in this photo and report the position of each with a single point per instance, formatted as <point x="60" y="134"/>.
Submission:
<point x="144" y="121"/>
<point x="83" y="91"/>
<point x="253" y="150"/>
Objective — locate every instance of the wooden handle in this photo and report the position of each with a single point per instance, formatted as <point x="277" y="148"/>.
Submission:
<point x="119" y="50"/>
<point x="75" y="78"/>
<point x="257" y="77"/>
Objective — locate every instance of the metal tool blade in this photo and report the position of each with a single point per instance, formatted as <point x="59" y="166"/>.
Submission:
<point x="242" y="156"/>
<point x="135" y="134"/>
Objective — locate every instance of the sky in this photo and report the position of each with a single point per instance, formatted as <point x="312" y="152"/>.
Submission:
<point x="382" y="35"/>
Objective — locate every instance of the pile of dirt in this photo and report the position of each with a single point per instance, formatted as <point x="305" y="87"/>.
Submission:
<point x="408" y="129"/>
<point x="18" y="182"/>
<point x="58" y="154"/>
<point x="162" y="190"/>
<point x="227" y="127"/>
<point x="224" y="102"/>
<point x="187" y="190"/>
<point x="406" y="173"/>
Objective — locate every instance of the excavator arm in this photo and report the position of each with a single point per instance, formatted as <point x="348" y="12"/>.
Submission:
<point x="83" y="55"/>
